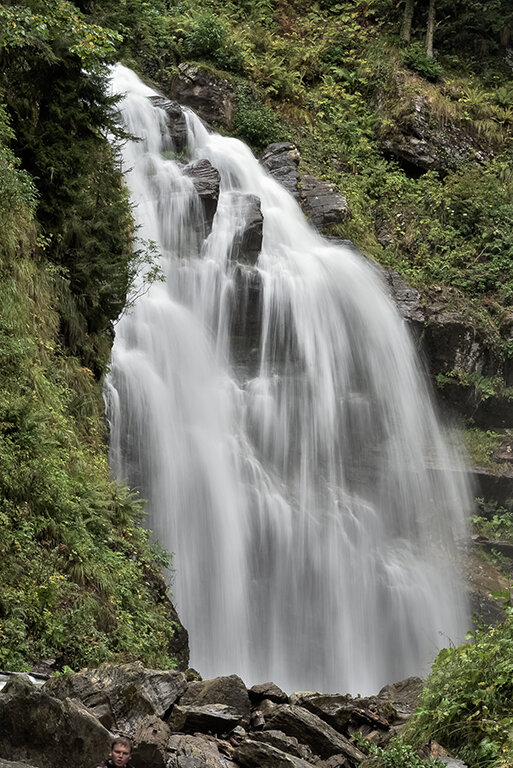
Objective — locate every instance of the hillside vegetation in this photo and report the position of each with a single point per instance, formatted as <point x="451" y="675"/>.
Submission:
<point x="80" y="581"/>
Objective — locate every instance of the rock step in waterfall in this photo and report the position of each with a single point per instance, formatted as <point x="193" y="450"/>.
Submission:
<point x="267" y="400"/>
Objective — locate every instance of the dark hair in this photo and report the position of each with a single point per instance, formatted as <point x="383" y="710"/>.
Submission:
<point x="124" y="741"/>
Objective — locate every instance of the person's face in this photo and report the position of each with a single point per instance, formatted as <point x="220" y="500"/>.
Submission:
<point x="119" y="755"/>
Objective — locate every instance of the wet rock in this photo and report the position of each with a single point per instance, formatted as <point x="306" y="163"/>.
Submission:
<point x="246" y="318"/>
<point x="229" y="691"/>
<point x="267" y="691"/>
<point x="206" y="180"/>
<point x="450" y="341"/>
<point x="207" y="94"/>
<point x="10" y="764"/>
<point x="491" y="486"/>
<point x="41" y="730"/>
<point x="309" y="729"/>
<point x="282" y="160"/>
<point x="120" y="696"/>
<point x="323" y="203"/>
<point x="150" y="743"/>
<point x="195" y="752"/>
<point x="206" y="718"/>
<point x="256" y="754"/>
<point x="175" y="122"/>
<point x="247" y="242"/>
<point x="407" y="299"/>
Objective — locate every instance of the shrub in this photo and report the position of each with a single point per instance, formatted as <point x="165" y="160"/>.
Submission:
<point x="208" y="39"/>
<point x="255" y="122"/>
<point x="415" y="58"/>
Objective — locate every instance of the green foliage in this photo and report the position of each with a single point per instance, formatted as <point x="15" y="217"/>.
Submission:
<point x="467" y="702"/>
<point x="254" y="121"/>
<point x="415" y="58"/>
<point x="481" y="446"/>
<point x="35" y="27"/>
<point x="208" y="39"/>
<point x="484" y="387"/>
<point x="80" y="581"/>
<point x="499" y="527"/>
<point x="397" y="754"/>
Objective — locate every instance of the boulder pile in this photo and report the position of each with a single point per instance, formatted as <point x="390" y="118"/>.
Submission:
<point x="176" y="723"/>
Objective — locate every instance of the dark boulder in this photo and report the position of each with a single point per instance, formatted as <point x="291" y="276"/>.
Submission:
<point x="196" y="752"/>
<point x="256" y="754"/>
<point x="209" y="95"/>
<point x="43" y="731"/>
<point x="175" y="121"/>
<point x="309" y="729"/>
<point x="335" y="709"/>
<point x="288" y="744"/>
<point x="323" y="203"/>
<point x="120" y="696"/>
<point x="205" y="718"/>
<point x="267" y="691"/>
<point x="229" y="691"/>
<point x="150" y="743"/>
<point x="281" y="160"/>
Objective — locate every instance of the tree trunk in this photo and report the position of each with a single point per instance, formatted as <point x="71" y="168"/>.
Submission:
<point x="407" y="21"/>
<point x="430" y="29"/>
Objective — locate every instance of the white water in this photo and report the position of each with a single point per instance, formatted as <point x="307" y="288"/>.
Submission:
<point x="313" y="545"/>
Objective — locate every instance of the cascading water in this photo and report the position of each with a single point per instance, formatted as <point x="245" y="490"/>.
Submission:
<point x="313" y="540"/>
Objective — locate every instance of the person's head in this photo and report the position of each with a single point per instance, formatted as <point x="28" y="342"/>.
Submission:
<point x="120" y="751"/>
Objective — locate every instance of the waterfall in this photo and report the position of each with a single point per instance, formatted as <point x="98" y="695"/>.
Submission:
<point x="296" y="470"/>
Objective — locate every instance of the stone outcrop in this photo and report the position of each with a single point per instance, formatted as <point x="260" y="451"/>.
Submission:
<point x="323" y="203"/>
<point x="451" y="341"/>
<point x="208" y="718"/>
<point x="281" y="160"/>
<point x="120" y="696"/>
<point x="175" y="123"/>
<point x="209" y="95"/>
<point x="420" y="139"/>
<point x="267" y="691"/>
